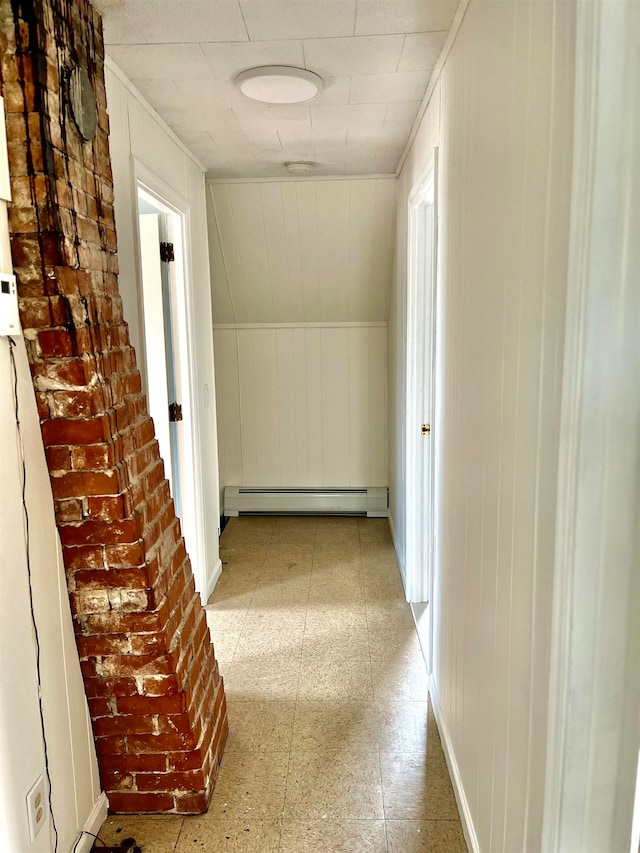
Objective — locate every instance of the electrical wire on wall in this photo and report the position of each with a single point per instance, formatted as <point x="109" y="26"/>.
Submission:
<point x="34" y="625"/>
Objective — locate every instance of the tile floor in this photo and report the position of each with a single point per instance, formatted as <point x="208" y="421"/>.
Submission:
<point x="333" y="747"/>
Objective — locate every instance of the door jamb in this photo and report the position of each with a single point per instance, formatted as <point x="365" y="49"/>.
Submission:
<point x="418" y="587"/>
<point x="191" y="486"/>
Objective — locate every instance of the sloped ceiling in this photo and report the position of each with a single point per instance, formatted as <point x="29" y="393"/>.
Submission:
<point x="375" y="56"/>
<point x="301" y="251"/>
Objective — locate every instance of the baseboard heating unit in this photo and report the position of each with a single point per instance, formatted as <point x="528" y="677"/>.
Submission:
<point x="242" y="500"/>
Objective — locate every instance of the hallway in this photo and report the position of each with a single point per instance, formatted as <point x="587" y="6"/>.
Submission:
<point x="332" y="744"/>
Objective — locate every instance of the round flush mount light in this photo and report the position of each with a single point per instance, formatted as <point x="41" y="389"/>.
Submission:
<point x="300" y="167"/>
<point x="279" y="84"/>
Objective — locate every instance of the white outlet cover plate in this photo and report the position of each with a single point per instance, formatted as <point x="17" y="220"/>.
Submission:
<point x="37" y="807"/>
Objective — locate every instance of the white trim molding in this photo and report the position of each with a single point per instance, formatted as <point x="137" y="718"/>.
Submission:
<point x="593" y="739"/>
<point x="456" y="779"/>
<point x="137" y="94"/>
<point x="92" y="825"/>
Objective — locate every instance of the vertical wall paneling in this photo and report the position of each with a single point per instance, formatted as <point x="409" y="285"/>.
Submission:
<point x="302" y="405"/>
<point x="501" y="118"/>
<point x="300" y="283"/>
<point x="301" y="251"/>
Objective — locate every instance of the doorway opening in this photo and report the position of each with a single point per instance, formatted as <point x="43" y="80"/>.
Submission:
<point x="421" y="395"/>
<point x="167" y="360"/>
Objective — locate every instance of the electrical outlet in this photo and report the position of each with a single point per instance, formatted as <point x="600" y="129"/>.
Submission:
<point x="9" y="314"/>
<point x="37" y="807"/>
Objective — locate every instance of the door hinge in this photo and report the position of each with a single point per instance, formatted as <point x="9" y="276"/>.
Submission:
<point x="425" y="429"/>
<point x="166" y="253"/>
<point x="175" y="412"/>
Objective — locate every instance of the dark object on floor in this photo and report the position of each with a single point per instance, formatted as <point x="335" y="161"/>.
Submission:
<point x="129" y="845"/>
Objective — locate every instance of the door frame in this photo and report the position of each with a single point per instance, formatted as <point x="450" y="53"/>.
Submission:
<point x="421" y="320"/>
<point x="191" y="487"/>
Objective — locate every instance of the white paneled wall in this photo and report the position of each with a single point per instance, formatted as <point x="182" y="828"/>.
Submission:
<point x="501" y="116"/>
<point x="137" y="132"/>
<point x="302" y="405"/>
<point x="301" y="251"/>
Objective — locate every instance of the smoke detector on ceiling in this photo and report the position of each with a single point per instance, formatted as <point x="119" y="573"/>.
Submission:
<point x="299" y="167"/>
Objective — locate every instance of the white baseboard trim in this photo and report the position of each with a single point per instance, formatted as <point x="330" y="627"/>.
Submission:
<point x="463" y="805"/>
<point x="394" y="538"/>
<point x="213" y="580"/>
<point x="93" y="824"/>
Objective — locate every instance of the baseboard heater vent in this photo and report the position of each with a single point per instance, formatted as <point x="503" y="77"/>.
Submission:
<point x="241" y="500"/>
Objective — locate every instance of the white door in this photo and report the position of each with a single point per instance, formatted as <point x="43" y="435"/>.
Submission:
<point x="421" y="349"/>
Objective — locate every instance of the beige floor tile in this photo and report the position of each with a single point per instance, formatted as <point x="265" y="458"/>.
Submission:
<point x="416" y="790"/>
<point x="390" y="615"/>
<point x="224" y="647"/>
<point x="292" y="559"/>
<point x="234" y="591"/>
<point x="281" y="593"/>
<point x="389" y="645"/>
<point x="260" y="726"/>
<point x="331" y="522"/>
<point x="250" y="784"/>
<point x="400" y="678"/>
<point x="333" y="836"/>
<point x="345" y="726"/>
<point x="425" y="836"/>
<point x="343" y="544"/>
<point x="153" y="834"/>
<point x="228" y="836"/>
<point x="329" y="784"/>
<point x="341" y="594"/>
<point x="402" y="725"/>
<point x="337" y="680"/>
<point x="248" y="558"/>
<point x="375" y="555"/>
<point x="295" y="531"/>
<point x="282" y="618"/>
<point x="323" y="646"/>
<point x="225" y="621"/>
<point x="384" y="589"/>
<point x="336" y="617"/>
<point x="274" y="642"/>
<point x="248" y="531"/>
<point x="264" y="678"/>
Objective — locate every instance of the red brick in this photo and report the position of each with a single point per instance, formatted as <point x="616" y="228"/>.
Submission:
<point x="174" y="704"/>
<point x="100" y="532"/>
<point x="160" y="743"/>
<point x="106" y="508"/>
<point x="148" y="763"/>
<point x="81" y="483"/>
<point x="191" y="803"/>
<point x="83" y="556"/>
<point x="55" y="343"/>
<point x="110" y="687"/>
<point x="132" y="803"/>
<point x="129" y="724"/>
<point x="82" y="431"/>
<point x="192" y="780"/>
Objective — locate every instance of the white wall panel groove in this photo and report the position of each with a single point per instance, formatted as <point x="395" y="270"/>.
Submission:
<point x="301" y="251"/>
<point x="302" y="406"/>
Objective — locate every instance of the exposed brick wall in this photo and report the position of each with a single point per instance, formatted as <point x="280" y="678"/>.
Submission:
<point x="155" y="694"/>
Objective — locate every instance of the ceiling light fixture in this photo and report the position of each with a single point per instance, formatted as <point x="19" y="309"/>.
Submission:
<point x="279" y="84"/>
<point x="300" y="167"/>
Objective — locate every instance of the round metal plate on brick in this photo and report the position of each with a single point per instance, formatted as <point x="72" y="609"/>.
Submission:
<point x="83" y="103"/>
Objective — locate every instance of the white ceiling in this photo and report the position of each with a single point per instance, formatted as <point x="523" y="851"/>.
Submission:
<point x="375" y="56"/>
